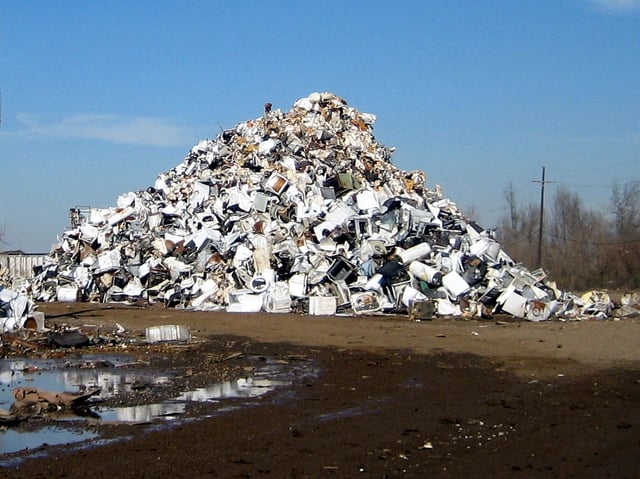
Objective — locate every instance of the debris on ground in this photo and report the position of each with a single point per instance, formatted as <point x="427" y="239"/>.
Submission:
<point x="167" y="333"/>
<point x="17" y="311"/>
<point x="31" y="402"/>
<point x="300" y="211"/>
<point x="60" y="340"/>
<point x="37" y="401"/>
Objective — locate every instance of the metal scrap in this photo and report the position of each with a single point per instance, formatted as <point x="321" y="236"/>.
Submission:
<point x="298" y="211"/>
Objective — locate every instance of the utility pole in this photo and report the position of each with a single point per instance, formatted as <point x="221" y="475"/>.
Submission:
<point x="542" y="183"/>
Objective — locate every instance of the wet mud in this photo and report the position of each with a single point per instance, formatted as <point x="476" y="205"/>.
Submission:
<point x="363" y="414"/>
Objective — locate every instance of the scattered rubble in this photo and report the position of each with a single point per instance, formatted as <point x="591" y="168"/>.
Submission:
<point x="300" y="211"/>
<point x="38" y="400"/>
<point x="30" y="402"/>
<point x="62" y="339"/>
<point x="17" y="311"/>
<point x="167" y="333"/>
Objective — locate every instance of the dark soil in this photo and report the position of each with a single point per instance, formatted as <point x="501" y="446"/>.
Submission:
<point x="381" y="413"/>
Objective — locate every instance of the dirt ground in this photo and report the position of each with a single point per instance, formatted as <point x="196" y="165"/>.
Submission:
<point x="388" y="398"/>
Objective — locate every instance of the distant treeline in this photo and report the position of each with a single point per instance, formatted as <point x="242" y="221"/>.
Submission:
<point x="581" y="248"/>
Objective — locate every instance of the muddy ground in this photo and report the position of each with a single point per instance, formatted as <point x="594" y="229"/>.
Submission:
<point x="383" y="398"/>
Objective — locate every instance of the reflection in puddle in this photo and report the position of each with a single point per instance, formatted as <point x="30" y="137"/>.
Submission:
<point x="250" y="387"/>
<point x="143" y="413"/>
<point x="116" y="375"/>
<point x="241" y="388"/>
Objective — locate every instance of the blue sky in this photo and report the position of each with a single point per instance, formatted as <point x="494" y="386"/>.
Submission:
<point x="100" y="97"/>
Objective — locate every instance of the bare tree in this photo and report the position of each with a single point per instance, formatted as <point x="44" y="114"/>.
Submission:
<point x="574" y="238"/>
<point x="626" y="208"/>
<point x="583" y="248"/>
<point x="512" y="203"/>
<point x="517" y="229"/>
<point x="624" y="250"/>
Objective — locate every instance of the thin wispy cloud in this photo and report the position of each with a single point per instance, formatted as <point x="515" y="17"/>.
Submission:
<point x="111" y="128"/>
<point x="616" y="6"/>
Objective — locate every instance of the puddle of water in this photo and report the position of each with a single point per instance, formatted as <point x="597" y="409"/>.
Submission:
<point x="115" y="375"/>
<point x="14" y="440"/>
<point x="344" y="413"/>
<point x="143" y="413"/>
<point x="249" y="387"/>
<point x="368" y="408"/>
<point x="90" y="371"/>
<point x="242" y="388"/>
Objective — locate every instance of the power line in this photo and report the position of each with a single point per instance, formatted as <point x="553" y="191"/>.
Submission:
<point x="592" y="243"/>
<point x="514" y="241"/>
<point x="570" y="240"/>
<point x="610" y="185"/>
<point x="596" y="168"/>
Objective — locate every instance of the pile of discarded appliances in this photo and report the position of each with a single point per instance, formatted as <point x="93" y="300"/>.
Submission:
<point x="300" y="211"/>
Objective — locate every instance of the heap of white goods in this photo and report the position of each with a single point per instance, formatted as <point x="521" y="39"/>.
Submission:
<point x="300" y="211"/>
